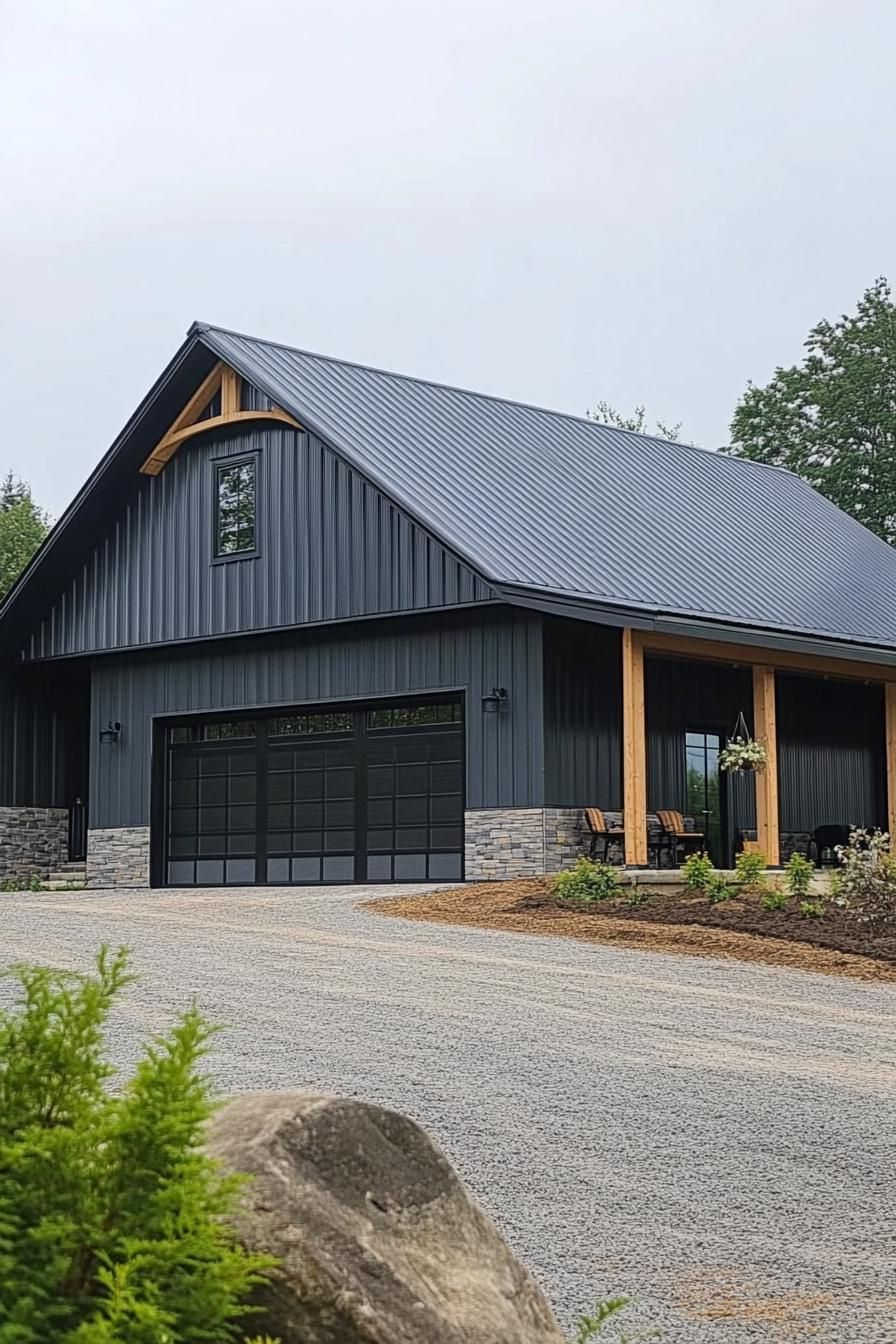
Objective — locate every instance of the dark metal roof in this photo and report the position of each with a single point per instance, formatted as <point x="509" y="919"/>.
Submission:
<point x="558" y="504"/>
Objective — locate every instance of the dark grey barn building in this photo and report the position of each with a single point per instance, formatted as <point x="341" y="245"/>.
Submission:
<point x="313" y="622"/>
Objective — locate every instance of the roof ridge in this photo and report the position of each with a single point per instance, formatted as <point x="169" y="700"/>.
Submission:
<point x="720" y="454"/>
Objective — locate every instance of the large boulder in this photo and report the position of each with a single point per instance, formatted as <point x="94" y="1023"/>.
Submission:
<point x="378" y="1239"/>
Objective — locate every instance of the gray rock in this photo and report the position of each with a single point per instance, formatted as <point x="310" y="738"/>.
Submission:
<point x="380" y="1243"/>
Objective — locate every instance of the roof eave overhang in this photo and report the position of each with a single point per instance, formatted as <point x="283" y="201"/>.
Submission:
<point x="685" y="625"/>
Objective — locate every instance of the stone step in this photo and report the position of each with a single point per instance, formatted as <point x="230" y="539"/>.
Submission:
<point x="67" y="875"/>
<point x="54" y="884"/>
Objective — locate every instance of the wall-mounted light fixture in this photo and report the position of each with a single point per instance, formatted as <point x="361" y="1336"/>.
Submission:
<point x="492" y="702"/>
<point x="111" y="733"/>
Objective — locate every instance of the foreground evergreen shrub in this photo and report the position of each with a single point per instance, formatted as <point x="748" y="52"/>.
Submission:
<point x="111" y="1226"/>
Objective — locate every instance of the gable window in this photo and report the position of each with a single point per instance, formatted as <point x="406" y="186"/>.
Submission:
<point x="236" y="521"/>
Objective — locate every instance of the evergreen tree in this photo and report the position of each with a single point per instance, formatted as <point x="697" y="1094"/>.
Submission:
<point x="111" y="1216"/>
<point x="832" y="418"/>
<point x="23" y="527"/>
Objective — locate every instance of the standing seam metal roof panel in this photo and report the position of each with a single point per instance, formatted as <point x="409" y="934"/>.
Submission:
<point x="551" y="501"/>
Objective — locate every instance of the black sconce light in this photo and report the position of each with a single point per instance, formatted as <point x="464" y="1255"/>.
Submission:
<point x="111" y="733"/>
<point x="492" y="702"/>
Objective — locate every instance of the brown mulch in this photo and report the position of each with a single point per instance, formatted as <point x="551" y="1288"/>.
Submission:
<point x="680" y="923"/>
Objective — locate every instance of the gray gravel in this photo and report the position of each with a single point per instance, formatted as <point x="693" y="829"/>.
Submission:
<point x="715" y="1138"/>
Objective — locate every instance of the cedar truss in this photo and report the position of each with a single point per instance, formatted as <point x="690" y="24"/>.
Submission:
<point x="218" y="401"/>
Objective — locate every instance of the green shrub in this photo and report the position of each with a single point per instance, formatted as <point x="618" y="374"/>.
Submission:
<point x="587" y="881"/>
<point x="718" y="888"/>
<point x="774" y="899"/>
<point x="751" y="867"/>
<point x="866" y="885"/>
<point x="111" y="1217"/>
<point x="697" y="870"/>
<point x="811" y="909"/>
<point x="636" y="894"/>
<point x="798" y="875"/>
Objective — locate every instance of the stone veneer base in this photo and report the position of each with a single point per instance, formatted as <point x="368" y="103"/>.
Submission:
<point x="33" y="840"/>
<point x="504" y="842"/>
<point x="118" y="856"/>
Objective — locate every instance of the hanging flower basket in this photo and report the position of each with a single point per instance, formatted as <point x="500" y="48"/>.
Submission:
<point x="742" y="752"/>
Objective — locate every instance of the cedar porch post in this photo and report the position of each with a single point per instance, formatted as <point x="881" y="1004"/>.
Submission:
<point x="765" y="728"/>
<point x="890" y="710"/>
<point x="634" y="750"/>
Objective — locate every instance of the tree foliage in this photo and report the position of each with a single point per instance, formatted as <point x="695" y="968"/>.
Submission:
<point x="832" y="418"/>
<point x="636" y="422"/>
<point x="23" y="527"/>
<point x="111" y="1226"/>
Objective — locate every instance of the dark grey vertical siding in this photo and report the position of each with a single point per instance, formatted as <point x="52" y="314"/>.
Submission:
<point x="831" y="753"/>
<point x="701" y="697"/>
<point x="505" y="762"/>
<point x="42" y="739"/>
<point x="331" y="547"/>
<point x="582" y="715"/>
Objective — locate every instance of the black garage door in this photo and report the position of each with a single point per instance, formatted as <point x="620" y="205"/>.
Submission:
<point x="349" y="795"/>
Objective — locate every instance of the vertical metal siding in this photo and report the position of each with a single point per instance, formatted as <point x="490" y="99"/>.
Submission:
<point x="831" y="753"/>
<point x="42" y="724"/>
<point x="505" y="762"/>
<point x="331" y="546"/>
<point x="583" y="707"/>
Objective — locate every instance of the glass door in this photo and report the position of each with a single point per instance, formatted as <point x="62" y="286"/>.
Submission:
<point x="705" y="796"/>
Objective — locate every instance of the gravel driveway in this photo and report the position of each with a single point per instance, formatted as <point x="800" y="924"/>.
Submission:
<point x="715" y="1138"/>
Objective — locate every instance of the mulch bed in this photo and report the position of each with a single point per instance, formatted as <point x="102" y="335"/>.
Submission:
<point x="681" y="923"/>
<point x="742" y="914"/>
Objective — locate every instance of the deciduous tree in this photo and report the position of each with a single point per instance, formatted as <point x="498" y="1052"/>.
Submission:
<point x="832" y="418"/>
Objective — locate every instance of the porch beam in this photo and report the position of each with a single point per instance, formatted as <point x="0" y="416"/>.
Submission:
<point x="719" y="651"/>
<point x="634" y="749"/>
<point x="890" y="714"/>
<point x="765" y="729"/>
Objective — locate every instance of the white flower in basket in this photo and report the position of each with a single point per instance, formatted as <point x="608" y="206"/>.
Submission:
<point x="743" y="753"/>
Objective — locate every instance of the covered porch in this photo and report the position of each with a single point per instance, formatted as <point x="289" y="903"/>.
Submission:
<point x="828" y="726"/>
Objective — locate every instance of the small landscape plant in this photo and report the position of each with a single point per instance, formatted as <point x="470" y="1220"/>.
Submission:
<point x="636" y="894"/>
<point x="774" y="899"/>
<point x="607" y="1312"/>
<point x="697" y="871"/>
<point x="866" y="888"/>
<point x="112" y="1223"/>
<point x="718" y="888"/>
<point x="751" y="866"/>
<point x="812" y="909"/>
<point x="587" y="881"/>
<point x="32" y="883"/>
<point x="798" y="875"/>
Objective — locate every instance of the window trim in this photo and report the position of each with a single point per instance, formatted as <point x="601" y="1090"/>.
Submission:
<point x="219" y="464"/>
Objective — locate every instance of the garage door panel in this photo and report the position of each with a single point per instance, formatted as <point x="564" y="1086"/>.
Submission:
<point x="364" y="795"/>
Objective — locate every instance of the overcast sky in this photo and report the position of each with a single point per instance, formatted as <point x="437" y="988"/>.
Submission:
<point x="638" y="200"/>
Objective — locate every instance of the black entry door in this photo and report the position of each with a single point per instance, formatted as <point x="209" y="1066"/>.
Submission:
<point x="706" y="793"/>
<point x="357" y="795"/>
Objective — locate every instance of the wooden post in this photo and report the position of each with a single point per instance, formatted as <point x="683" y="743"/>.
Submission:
<point x="765" y="729"/>
<point x="890" y="713"/>
<point x="634" y="750"/>
<point x="230" y="392"/>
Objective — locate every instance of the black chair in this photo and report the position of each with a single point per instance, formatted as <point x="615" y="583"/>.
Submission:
<point x="600" y="831"/>
<point x="675" y="836"/>
<point x="824" y="840"/>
